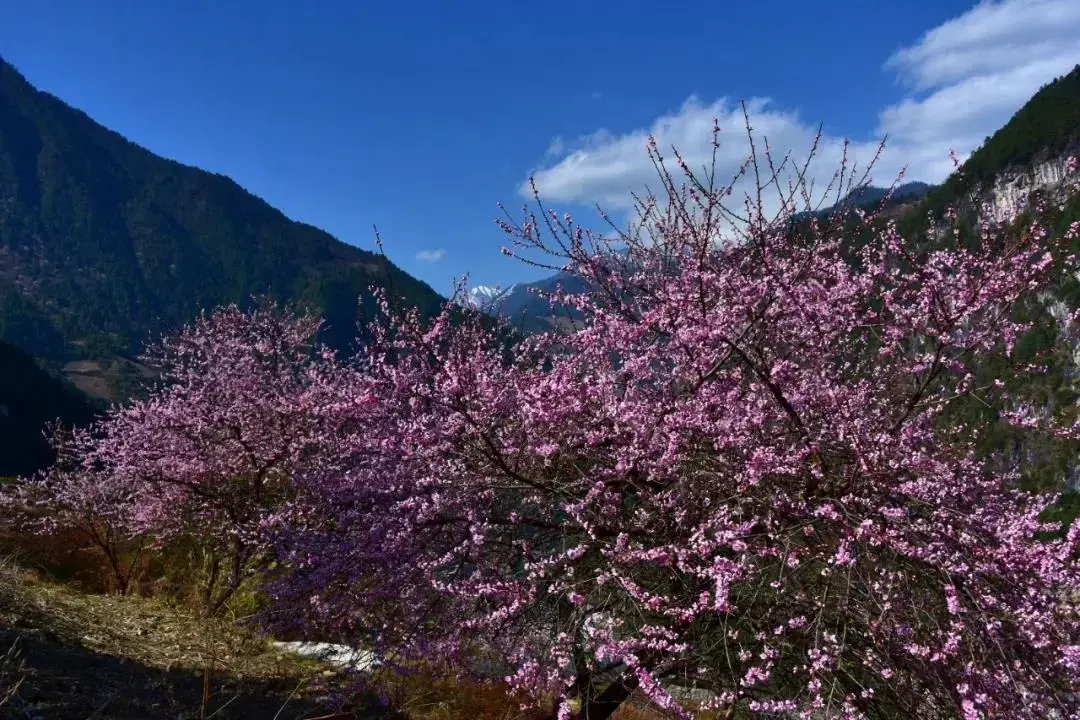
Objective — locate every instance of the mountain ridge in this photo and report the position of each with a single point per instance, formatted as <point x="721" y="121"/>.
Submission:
<point x="104" y="244"/>
<point x="1045" y="128"/>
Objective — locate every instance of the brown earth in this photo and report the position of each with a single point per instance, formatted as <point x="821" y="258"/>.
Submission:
<point x="65" y="654"/>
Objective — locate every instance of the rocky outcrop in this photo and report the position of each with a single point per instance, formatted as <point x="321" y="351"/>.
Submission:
<point x="1012" y="190"/>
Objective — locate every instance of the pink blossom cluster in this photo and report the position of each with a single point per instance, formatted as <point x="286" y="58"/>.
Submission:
<point x="731" y="475"/>
<point x="207" y="454"/>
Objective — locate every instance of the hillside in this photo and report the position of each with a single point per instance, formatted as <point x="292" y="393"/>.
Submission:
<point x="1026" y="157"/>
<point x="103" y="243"/>
<point x="29" y="398"/>
<point x="526" y="309"/>
<point x="1024" y="152"/>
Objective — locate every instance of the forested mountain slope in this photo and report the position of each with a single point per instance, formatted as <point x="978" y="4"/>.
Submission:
<point x="103" y="243"/>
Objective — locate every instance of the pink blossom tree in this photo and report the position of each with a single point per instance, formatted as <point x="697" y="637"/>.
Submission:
<point x="218" y="445"/>
<point x="212" y="449"/>
<point x="72" y="498"/>
<point x="732" y="476"/>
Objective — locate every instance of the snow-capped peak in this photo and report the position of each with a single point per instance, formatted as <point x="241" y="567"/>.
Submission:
<point x="485" y="297"/>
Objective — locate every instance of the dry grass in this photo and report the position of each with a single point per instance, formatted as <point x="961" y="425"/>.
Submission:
<point x="131" y="657"/>
<point x="58" y="609"/>
<point x="640" y="709"/>
<point x="64" y="556"/>
<point x="12" y="674"/>
<point x="146" y="630"/>
<point x="145" y="656"/>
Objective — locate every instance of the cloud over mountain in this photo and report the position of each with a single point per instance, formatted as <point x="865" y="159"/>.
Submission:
<point x="962" y="80"/>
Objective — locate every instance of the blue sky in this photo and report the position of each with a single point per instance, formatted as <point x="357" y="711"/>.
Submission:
<point x="421" y="116"/>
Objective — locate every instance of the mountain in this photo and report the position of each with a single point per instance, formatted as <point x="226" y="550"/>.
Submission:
<point x="104" y="244"/>
<point x="901" y="199"/>
<point x="524" y="305"/>
<point x="871" y="194"/>
<point x="486" y="297"/>
<point x="29" y="398"/>
<point x="1027" y="154"/>
<point x="1026" y="158"/>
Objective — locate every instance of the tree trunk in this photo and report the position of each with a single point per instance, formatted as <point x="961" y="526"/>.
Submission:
<point x="211" y="582"/>
<point x="238" y="560"/>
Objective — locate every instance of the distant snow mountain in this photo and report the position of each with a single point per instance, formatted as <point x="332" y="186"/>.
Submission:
<point x="487" y="297"/>
<point x="523" y="304"/>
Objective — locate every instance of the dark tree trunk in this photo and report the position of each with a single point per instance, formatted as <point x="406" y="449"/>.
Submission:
<point x="211" y="582"/>
<point x="214" y="604"/>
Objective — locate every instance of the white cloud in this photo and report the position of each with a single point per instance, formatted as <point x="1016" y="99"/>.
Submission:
<point x="431" y="256"/>
<point x="991" y="39"/>
<point x="971" y="73"/>
<point x="604" y="168"/>
<point x="556" y="148"/>
<point x="964" y="79"/>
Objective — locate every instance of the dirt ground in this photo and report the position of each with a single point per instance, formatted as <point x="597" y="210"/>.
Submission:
<point x="65" y="654"/>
